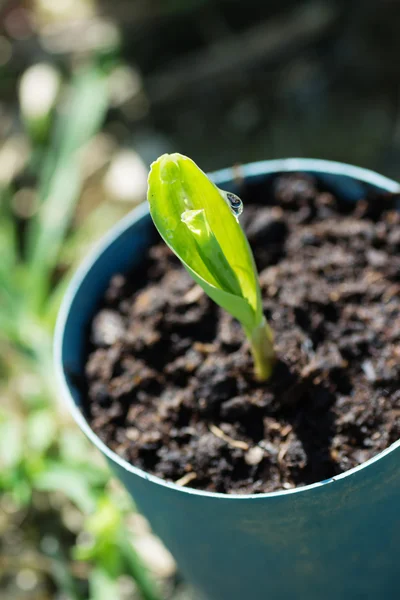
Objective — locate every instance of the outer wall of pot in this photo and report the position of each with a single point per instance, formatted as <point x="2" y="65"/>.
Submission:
<point x="334" y="540"/>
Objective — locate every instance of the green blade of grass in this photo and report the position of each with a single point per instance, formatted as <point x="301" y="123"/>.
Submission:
<point x="102" y="586"/>
<point x="8" y="234"/>
<point x="61" y="180"/>
<point x="8" y="254"/>
<point x="61" y="572"/>
<point x="63" y="478"/>
<point x="137" y="569"/>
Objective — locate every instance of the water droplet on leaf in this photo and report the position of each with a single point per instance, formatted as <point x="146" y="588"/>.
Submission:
<point x="234" y="203"/>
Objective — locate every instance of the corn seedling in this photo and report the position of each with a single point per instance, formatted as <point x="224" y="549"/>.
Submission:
<point x="200" y="223"/>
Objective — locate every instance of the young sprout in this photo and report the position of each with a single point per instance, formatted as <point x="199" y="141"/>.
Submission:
<point x="199" y="222"/>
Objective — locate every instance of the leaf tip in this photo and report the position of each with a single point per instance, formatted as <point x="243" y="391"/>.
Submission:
<point x="166" y="168"/>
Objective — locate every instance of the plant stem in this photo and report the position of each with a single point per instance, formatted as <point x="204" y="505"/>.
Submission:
<point x="261" y="344"/>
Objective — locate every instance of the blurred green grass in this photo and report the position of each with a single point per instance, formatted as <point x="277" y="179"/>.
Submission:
<point x="47" y="470"/>
<point x="66" y="531"/>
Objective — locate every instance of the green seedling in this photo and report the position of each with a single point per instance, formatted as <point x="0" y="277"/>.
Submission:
<point x="199" y="222"/>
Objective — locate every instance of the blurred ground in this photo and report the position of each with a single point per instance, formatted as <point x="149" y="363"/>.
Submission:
<point x="90" y="93"/>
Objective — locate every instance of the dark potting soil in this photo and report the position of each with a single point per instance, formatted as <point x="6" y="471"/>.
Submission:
<point x="169" y="374"/>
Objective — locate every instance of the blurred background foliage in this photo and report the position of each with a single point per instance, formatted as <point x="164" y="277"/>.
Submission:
<point x="91" y="91"/>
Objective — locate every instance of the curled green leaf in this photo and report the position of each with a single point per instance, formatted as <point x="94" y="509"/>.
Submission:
<point x="210" y="251"/>
<point x="196" y="221"/>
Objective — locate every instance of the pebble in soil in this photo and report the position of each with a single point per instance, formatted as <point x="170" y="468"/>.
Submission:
<point x="169" y="375"/>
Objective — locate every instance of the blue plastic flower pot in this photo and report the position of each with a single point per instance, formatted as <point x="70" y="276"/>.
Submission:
<point x="338" y="539"/>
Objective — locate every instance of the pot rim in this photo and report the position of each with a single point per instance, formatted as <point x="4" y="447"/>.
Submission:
<point x="219" y="177"/>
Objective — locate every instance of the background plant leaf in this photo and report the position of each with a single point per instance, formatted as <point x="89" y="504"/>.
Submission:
<point x="61" y="175"/>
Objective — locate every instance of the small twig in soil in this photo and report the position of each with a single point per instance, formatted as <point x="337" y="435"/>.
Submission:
<point x="373" y="277"/>
<point x="194" y="294"/>
<point x="204" y="348"/>
<point x="286" y="430"/>
<point x="282" y="452"/>
<point x="223" y="436"/>
<point x="390" y="293"/>
<point x="186" y="479"/>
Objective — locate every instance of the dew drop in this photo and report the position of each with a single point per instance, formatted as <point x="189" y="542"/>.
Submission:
<point x="169" y="233"/>
<point x="235" y="203"/>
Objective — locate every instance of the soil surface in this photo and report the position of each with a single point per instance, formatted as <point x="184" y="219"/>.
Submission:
<point x="169" y="375"/>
